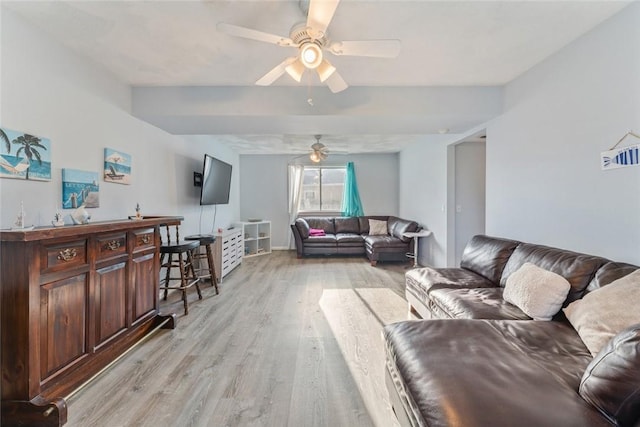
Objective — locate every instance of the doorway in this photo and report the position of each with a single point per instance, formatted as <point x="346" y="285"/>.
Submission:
<point x="469" y="202"/>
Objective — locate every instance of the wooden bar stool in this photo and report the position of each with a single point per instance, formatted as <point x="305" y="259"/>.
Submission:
<point x="209" y="272"/>
<point x="184" y="263"/>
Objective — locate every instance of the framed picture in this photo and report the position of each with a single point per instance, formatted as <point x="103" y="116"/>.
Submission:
<point x="117" y="166"/>
<point x="79" y="188"/>
<point x="24" y="156"/>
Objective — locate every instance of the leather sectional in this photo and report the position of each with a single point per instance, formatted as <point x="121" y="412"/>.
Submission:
<point x="477" y="360"/>
<point x="350" y="235"/>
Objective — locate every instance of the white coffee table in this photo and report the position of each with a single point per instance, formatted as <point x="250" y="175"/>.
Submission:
<point x="415" y="235"/>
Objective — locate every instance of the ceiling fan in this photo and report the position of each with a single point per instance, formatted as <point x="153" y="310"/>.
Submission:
<point x="319" y="151"/>
<point x="312" y="42"/>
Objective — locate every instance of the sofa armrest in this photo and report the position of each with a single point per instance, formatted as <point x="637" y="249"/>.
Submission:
<point x="398" y="226"/>
<point x="303" y="228"/>
<point x="298" y="240"/>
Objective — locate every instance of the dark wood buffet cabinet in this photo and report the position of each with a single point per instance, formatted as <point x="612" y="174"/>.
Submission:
<point x="73" y="299"/>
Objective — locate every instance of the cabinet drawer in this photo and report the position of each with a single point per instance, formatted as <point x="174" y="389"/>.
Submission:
<point x="56" y="257"/>
<point x="111" y="245"/>
<point x="143" y="239"/>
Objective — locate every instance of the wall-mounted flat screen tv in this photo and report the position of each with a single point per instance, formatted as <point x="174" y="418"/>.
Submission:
<point x="216" y="182"/>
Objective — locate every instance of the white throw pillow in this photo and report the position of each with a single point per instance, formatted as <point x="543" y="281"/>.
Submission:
<point x="537" y="292"/>
<point x="604" y="313"/>
<point x="377" y="228"/>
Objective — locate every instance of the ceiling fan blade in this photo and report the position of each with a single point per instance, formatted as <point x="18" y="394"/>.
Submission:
<point x="336" y="83"/>
<point x="249" y="33"/>
<point x="275" y="73"/>
<point x="373" y="48"/>
<point x="320" y="16"/>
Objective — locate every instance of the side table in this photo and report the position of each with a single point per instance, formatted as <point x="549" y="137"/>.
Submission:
<point x="415" y="235"/>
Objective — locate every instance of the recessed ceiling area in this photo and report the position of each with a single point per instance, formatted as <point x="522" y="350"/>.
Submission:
<point x="190" y="79"/>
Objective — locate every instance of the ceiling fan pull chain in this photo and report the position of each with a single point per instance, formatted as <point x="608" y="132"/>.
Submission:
<point x="309" y="97"/>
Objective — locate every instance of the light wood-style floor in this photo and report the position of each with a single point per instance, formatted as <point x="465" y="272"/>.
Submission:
<point x="287" y="342"/>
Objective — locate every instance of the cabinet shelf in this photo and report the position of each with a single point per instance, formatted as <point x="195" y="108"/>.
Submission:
<point x="257" y="237"/>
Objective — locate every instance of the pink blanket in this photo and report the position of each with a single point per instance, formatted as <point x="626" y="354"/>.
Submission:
<point x="316" y="232"/>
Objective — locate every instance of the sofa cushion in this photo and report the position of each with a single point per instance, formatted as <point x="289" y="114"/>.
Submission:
<point x="378" y="228"/>
<point x="398" y="226"/>
<point x="577" y="268"/>
<point x="303" y="227"/>
<point x="428" y="278"/>
<point x="420" y="281"/>
<point x="350" y="239"/>
<point x="537" y="292"/>
<point x="487" y="256"/>
<point x="611" y="382"/>
<point x="347" y="225"/>
<point x="381" y="242"/>
<point x="490" y="373"/>
<point x="323" y="223"/>
<point x="473" y="303"/>
<point x="603" y="313"/>
<point x="326" y="240"/>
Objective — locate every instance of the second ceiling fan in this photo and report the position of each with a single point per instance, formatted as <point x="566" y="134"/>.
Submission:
<point x="312" y="42"/>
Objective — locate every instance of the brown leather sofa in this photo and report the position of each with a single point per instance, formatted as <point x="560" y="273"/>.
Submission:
<point x="478" y="361"/>
<point x="350" y="235"/>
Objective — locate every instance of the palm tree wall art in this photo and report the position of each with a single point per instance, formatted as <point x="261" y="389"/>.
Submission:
<point x="24" y="156"/>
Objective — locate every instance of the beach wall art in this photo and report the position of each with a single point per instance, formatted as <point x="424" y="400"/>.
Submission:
<point x="117" y="166"/>
<point x="623" y="157"/>
<point x="24" y="156"/>
<point x="79" y="188"/>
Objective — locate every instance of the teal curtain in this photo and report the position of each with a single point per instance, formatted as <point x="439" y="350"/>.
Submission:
<point x="351" y="204"/>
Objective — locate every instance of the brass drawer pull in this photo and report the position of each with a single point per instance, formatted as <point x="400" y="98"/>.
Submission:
<point x="145" y="239"/>
<point x="67" y="255"/>
<point x="113" y="245"/>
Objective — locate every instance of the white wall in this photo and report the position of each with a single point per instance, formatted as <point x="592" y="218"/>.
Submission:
<point x="263" y="188"/>
<point x="544" y="182"/>
<point x="423" y="195"/>
<point x="208" y="218"/>
<point x="50" y="92"/>
<point x="263" y="194"/>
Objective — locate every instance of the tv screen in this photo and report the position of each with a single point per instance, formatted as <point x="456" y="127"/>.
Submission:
<point x="216" y="182"/>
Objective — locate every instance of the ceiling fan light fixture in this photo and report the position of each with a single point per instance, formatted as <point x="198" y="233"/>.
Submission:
<point x="325" y="70"/>
<point x="295" y="70"/>
<point x="315" y="157"/>
<point x="311" y="55"/>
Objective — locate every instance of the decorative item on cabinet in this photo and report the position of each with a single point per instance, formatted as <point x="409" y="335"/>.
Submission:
<point x="57" y="219"/>
<point x="80" y="215"/>
<point x="20" y="220"/>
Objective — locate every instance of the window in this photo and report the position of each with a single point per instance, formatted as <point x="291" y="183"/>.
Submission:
<point x="322" y="189"/>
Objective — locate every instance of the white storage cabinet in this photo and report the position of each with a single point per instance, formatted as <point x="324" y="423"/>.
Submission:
<point x="257" y="237"/>
<point x="228" y="251"/>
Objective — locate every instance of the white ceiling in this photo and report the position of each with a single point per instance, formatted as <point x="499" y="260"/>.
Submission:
<point x="444" y="43"/>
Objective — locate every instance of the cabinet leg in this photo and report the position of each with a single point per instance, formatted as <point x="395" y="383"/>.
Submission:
<point x="37" y="412"/>
<point x="171" y="320"/>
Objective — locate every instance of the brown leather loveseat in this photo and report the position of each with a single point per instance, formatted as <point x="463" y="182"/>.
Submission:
<point x="478" y="360"/>
<point x="350" y="235"/>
